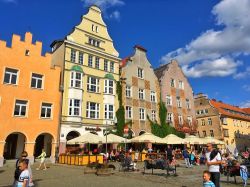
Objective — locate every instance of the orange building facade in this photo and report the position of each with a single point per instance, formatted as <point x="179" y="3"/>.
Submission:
<point x="29" y="100"/>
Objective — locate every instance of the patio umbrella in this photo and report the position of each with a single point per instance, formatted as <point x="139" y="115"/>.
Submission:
<point x="112" y="138"/>
<point x="212" y="140"/>
<point x="87" y="138"/>
<point x="173" y="139"/>
<point x="194" y="140"/>
<point x="147" y="138"/>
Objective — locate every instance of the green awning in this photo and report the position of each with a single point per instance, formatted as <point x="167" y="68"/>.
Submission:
<point x="109" y="76"/>
<point x="77" y="68"/>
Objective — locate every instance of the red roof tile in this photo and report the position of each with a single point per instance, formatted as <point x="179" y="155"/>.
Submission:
<point x="223" y="109"/>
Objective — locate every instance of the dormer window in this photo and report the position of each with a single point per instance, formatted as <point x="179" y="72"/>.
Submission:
<point x="27" y="52"/>
<point x="94" y="42"/>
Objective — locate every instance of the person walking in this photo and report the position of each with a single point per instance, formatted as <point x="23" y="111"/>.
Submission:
<point x="186" y="157"/>
<point x="42" y="156"/>
<point x="213" y="160"/>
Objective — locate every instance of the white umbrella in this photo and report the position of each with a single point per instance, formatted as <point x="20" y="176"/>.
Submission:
<point x="87" y="138"/>
<point x="212" y="140"/>
<point x="112" y="138"/>
<point x="193" y="140"/>
<point x="147" y="138"/>
<point x="173" y="139"/>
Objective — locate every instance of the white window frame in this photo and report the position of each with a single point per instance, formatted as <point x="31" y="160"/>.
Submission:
<point x="180" y="119"/>
<point x="153" y="115"/>
<point x="142" y="115"/>
<point x="128" y="91"/>
<point x="97" y="62"/>
<point x="47" y="109"/>
<point x="21" y="107"/>
<point x="178" y="101"/>
<point x="90" y="61"/>
<point x="141" y="92"/>
<point x="170" y="117"/>
<point x="209" y="121"/>
<point x="190" y="120"/>
<point x="37" y="79"/>
<point x="106" y="65"/>
<point x="74" y="108"/>
<point x="96" y="110"/>
<point x="11" y="75"/>
<point x="109" y="114"/>
<point x="169" y="100"/>
<point x="112" y="67"/>
<point x="172" y="81"/>
<point x="94" y="88"/>
<point x="129" y="112"/>
<point x="140" y="73"/>
<point x="74" y="80"/>
<point x="203" y="122"/>
<point x="108" y="89"/>
<point x="181" y="85"/>
<point x="80" y="58"/>
<point x="73" y="55"/>
<point x="152" y="96"/>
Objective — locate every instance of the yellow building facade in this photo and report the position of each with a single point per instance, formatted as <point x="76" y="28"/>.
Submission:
<point x="90" y="66"/>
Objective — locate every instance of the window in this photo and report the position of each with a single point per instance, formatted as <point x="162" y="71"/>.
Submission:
<point x="109" y="111"/>
<point x="211" y="133"/>
<point x="180" y="119"/>
<point x="36" y="81"/>
<point x="73" y="55"/>
<point x="96" y="29"/>
<point x="197" y="112"/>
<point x="128" y="112"/>
<point x="142" y="113"/>
<point x="74" y="107"/>
<point x="172" y="83"/>
<point x="189" y="119"/>
<point x="112" y="67"/>
<point x="27" y="52"/>
<point x="128" y="91"/>
<point x="141" y="94"/>
<point x="152" y="96"/>
<point x="10" y="76"/>
<point x="46" y="110"/>
<point x="93" y="85"/>
<point x="188" y="103"/>
<point x="181" y="85"/>
<point x="80" y="59"/>
<point x="209" y="121"/>
<point x="169" y="100"/>
<point x="76" y="79"/>
<point x="202" y="122"/>
<point x="206" y="111"/>
<point x="92" y="110"/>
<point x="94" y="42"/>
<point x="93" y="27"/>
<point x="140" y="73"/>
<point x="170" y="117"/>
<point x="153" y="115"/>
<point x="178" y="102"/>
<point x="204" y="133"/>
<point x="20" y="108"/>
<point x="225" y="131"/>
<point x="90" y="61"/>
<point x="105" y="65"/>
<point x="109" y="87"/>
<point x="97" y="63"/>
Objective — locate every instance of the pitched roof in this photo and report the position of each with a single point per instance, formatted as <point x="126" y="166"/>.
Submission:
<point x="159" y="72"/>
<point x="230" y="111"/>
<point x="124" y="61"/>
<point x="247" y="110"/>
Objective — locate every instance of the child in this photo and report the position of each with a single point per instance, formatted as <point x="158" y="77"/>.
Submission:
<point x="206" y="179"/>
<point x="24" y="177"/>
<point x="42" y="156"/>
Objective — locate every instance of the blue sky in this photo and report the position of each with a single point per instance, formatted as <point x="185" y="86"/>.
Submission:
<point x="210" y="38"/>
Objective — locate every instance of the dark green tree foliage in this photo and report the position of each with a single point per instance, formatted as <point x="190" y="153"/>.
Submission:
<point x="120" y="113"/>
<point x="163" y="129"/>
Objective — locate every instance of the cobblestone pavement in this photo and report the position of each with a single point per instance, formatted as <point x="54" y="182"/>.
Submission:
<point x="64" y="175"/>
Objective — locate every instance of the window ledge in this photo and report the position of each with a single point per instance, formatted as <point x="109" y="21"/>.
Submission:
<point x="10" y="84"/>
<point x="40" y="89"/>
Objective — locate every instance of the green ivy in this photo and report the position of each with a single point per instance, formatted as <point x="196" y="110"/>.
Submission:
<point x="163" y="129"/>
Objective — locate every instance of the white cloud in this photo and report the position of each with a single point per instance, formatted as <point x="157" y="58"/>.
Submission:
<point x="105" y="5"/>
<point x="245" y="104"/>
<point x="243" y="74"/>
<point x="221" y="67"/>
<point x="246" y="87"/>
<point x="115" y="15"/>
<point x="212" y="45"/>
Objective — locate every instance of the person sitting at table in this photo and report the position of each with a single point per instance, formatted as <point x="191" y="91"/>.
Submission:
<point x="129" y="162"/>
<point x="160" y="162"/>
